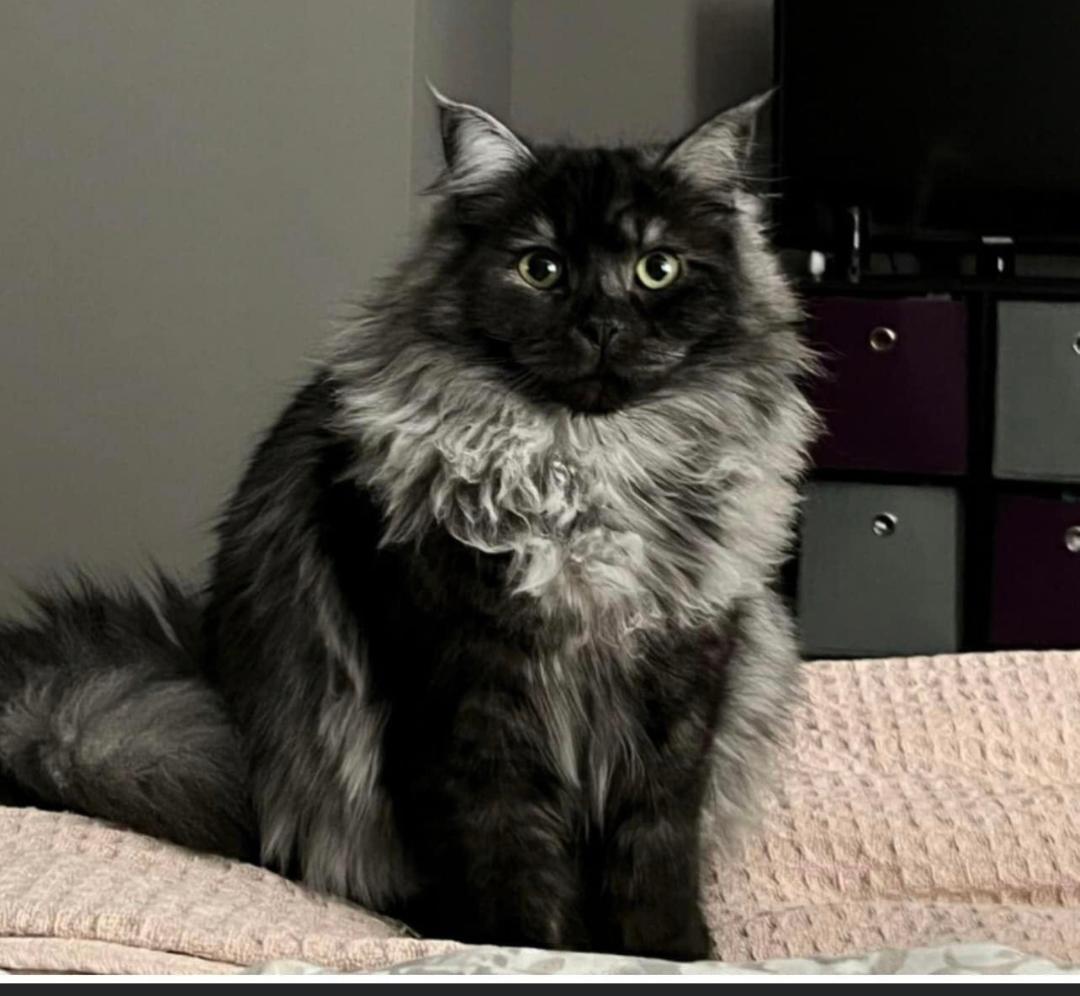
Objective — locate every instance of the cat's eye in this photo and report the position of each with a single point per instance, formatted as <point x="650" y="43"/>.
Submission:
<point x="540" y="269"/>
<point x="658" y="269"/>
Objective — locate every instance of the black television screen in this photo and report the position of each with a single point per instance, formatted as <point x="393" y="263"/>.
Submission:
<point x="946" y="119"/>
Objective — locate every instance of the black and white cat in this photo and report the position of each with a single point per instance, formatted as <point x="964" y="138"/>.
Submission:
<point x="490" y="642"/>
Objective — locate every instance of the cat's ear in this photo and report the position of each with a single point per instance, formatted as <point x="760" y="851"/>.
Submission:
<point x="718" y="151"/>
<point x="478" y="147"/>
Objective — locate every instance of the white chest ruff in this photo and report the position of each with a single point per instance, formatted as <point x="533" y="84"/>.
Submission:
<point x="599" y="537"/>
<point x="615" y="522"/>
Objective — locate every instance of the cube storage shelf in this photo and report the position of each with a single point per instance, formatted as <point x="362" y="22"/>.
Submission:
<point x="943" y="513"/>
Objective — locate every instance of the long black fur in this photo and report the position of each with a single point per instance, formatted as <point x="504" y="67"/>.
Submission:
<point x="490" y="642"/>
<point x="104" y="710"/>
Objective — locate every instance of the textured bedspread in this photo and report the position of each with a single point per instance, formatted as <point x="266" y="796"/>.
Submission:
<point x="925" y="801"/>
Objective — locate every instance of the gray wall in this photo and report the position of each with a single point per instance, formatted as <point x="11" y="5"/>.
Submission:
<point x="188" y="188"/>
<point x="613" y="70"/>
<point x="463" y="47"/>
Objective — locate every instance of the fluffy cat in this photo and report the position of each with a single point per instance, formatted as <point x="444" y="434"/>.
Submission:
<point x="491" y="639"/>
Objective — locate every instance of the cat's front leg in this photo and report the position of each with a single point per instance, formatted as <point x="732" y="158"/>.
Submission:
<point x="644" y="875"/>
<point x="646" y="900"/>
<point x="499" y="842"/>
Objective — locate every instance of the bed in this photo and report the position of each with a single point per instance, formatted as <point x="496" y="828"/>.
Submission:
<point x="924" y="819"/>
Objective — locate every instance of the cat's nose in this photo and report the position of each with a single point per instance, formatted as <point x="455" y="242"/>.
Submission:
<point x="600" y="331"/>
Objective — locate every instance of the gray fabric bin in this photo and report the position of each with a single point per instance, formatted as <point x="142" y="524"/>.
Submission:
<point x="1037" y="414"/>
<point x="879" y="571"/>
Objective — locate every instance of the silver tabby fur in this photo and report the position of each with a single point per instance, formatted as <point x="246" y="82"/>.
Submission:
<point x="618" y="530"/>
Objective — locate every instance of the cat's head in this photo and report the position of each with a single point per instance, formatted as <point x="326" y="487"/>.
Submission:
<point x="594" y="277"/>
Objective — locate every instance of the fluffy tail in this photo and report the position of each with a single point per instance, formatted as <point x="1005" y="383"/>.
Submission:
<point x="104" y="710"/>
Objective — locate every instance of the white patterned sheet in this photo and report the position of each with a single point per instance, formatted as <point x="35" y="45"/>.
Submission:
<point x="944" y="959"/>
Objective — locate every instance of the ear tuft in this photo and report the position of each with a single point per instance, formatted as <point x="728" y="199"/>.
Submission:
<point x="717" y="151"/>
<point x="479" y="149"/>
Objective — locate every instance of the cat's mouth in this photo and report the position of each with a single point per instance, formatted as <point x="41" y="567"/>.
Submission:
<point x="597" y="393"/>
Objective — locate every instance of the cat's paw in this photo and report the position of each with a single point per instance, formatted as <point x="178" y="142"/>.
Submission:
<point x="657" y="933"/>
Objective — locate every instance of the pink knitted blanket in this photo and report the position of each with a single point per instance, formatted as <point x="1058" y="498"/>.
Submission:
<point x="925" y="800"/>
